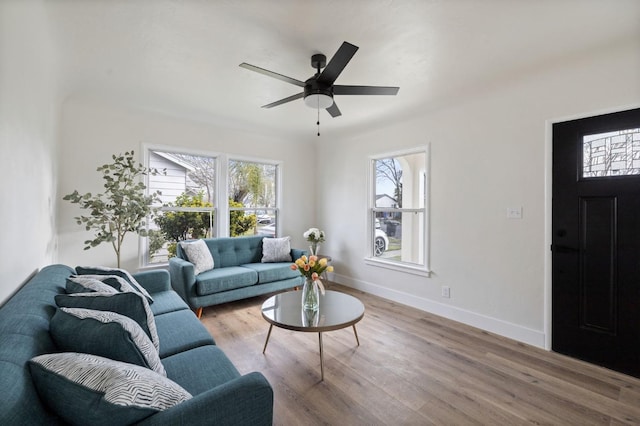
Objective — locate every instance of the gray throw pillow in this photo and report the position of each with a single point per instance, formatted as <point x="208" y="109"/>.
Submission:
<point x="106" y="334"/>
<point x="276" y="250"/>
<point x="85" y="389"/>
<point x="199" y="254"/>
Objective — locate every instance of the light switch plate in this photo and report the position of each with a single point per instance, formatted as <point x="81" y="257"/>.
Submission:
<point x="514" y="212"/>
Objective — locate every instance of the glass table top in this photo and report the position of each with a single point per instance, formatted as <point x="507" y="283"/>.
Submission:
<point x="336" y="310"/>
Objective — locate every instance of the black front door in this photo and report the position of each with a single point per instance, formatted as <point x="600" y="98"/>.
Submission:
<point x="596" y="240"/>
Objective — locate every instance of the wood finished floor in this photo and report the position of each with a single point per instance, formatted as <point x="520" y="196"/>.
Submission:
<point x="414" y="368"/>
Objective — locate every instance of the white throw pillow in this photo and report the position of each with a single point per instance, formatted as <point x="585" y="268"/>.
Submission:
<point x="276" y="250"/>
<point x="198" y="253"/>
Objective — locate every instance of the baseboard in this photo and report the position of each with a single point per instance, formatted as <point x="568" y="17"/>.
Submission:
<point x="492" y="325"/>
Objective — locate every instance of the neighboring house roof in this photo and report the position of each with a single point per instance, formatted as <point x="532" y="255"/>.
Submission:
<point x="379" y="196"/>
<point x="384" y="200"/>
<point x="175" y="160"/>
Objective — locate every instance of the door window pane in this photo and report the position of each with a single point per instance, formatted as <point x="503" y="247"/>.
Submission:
<point x="611" y="154"/>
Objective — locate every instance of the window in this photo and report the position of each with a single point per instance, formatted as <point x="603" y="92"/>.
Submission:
<point x="252" y="198"/>
<point x="188" y="189"/>
<point x="200" y="200"/>
<point x="397" y="213"/>
<point x="611" y="154"/>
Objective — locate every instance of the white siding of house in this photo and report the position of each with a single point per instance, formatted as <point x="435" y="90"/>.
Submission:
<point x="173" y="183"/>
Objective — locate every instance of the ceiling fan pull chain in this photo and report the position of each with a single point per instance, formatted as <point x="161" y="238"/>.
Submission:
<point x="318" y="122"/>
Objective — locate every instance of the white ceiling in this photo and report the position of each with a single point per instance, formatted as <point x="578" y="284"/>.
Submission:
<point x="182" y="57"/>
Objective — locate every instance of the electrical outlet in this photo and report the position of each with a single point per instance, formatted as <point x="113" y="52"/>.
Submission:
<point x="446" y="292"/>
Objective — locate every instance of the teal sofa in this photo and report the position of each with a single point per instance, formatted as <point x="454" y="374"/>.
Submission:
<point x="238" y="273"/>
<point x="220" y="395"/>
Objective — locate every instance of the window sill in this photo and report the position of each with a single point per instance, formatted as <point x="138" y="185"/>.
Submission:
<point x="396" y="266"/>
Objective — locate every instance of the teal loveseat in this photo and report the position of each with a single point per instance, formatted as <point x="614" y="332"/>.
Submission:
<point x="238" y="273"/>
<point x="188" y="353"/>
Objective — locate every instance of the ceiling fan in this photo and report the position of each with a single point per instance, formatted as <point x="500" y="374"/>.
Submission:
<point x="318" y="90"/>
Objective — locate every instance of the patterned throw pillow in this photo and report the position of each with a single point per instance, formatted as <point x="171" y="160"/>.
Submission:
<point x="86" y="389"/>
<point x="132" y="305"/>
<point x="276" y="250"/>
<point x="198" y="253"/>
<point x="106" y="334"/>
<point x="85" y="284"/>
<point x="103" y="270"/>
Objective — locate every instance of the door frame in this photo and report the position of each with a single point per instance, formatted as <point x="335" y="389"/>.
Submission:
<point x="548" y="204"/>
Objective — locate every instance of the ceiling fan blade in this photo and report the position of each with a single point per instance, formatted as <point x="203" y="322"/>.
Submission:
<point x="285" y="100"/>
<point x="333" y="110"/>
<point x="337" y="63"/>
<point x="365" y="90"/>
<point x="272" y="74"/>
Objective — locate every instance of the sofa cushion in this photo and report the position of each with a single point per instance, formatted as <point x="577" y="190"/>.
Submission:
<point x="200" y="369"/>
<point x="132" y="305"/>
<point x="85" y="284"/>
<point x="86" y="389"/>
<point x="174" y="338"/>
<point x="198" y="253"/>
<point x="167" y="301"/>
<point x="106" y="334"/>
<point x="234" y="251"/>
<point x="223" y="279"/>
<point x="276" y="250"/>
<point x="103" y="270"/>
<point x="270" y="272"/>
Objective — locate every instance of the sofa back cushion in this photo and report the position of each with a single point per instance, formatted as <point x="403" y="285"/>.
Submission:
<point x="232" y="251"/>
<point x="24" y="333"/>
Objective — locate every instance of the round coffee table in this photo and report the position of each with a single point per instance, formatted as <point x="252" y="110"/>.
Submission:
<point x="336" y="310"/>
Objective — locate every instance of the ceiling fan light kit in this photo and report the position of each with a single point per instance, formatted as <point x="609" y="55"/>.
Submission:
<point x="318" y="91"/>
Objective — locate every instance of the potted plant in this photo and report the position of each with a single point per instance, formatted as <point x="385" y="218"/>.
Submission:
<point x="123" y="206"/>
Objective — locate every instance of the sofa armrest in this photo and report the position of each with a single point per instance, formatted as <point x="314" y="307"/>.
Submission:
<point x="154" y="281"/>
<point x="183" y="279"/>
<point x="246" y="400"/>
<point x="297" y="253"/>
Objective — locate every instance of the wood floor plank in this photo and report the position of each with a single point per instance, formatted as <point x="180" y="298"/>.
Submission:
<point x="415" y="368"/>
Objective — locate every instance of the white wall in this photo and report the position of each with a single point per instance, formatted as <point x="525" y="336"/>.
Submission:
<point x="93" y="131"/>
<point x="488" y="152"/>
<point x="28" y="141"/>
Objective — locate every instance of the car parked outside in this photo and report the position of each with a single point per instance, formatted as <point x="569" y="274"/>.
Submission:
<point x="380" y="241"/>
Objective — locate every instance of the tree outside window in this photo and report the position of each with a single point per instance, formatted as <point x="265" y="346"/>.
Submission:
<point x="252" y="193"/>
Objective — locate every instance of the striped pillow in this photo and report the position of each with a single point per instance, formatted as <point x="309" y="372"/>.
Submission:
<point x="86" y="389"/>
<point x="106" y="334"/>
<point x="132" y="305"/>
<point x="122" y="273"/>
<point x="85" y="284"/>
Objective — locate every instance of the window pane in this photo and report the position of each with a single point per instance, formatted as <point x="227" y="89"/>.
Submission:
<point x="388" y="183"/>
<point x="391" y="243"/>
<point x="252" y="203"/>
<point x="171" y="226"/>
<point x="188" y="184"/>
<point x="398" y="211"/>
<point x="611" y="154"/>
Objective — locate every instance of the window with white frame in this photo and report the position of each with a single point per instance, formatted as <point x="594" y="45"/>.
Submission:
<point x="200" y="201"/>
<point x="252" y="189"/>
<point x="398" y="210"/>
<point x="188" y="194"/>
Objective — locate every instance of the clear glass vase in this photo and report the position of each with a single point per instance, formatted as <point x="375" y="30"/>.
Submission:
<point x="313" y="248"/>
<point x="310" y="295"/>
